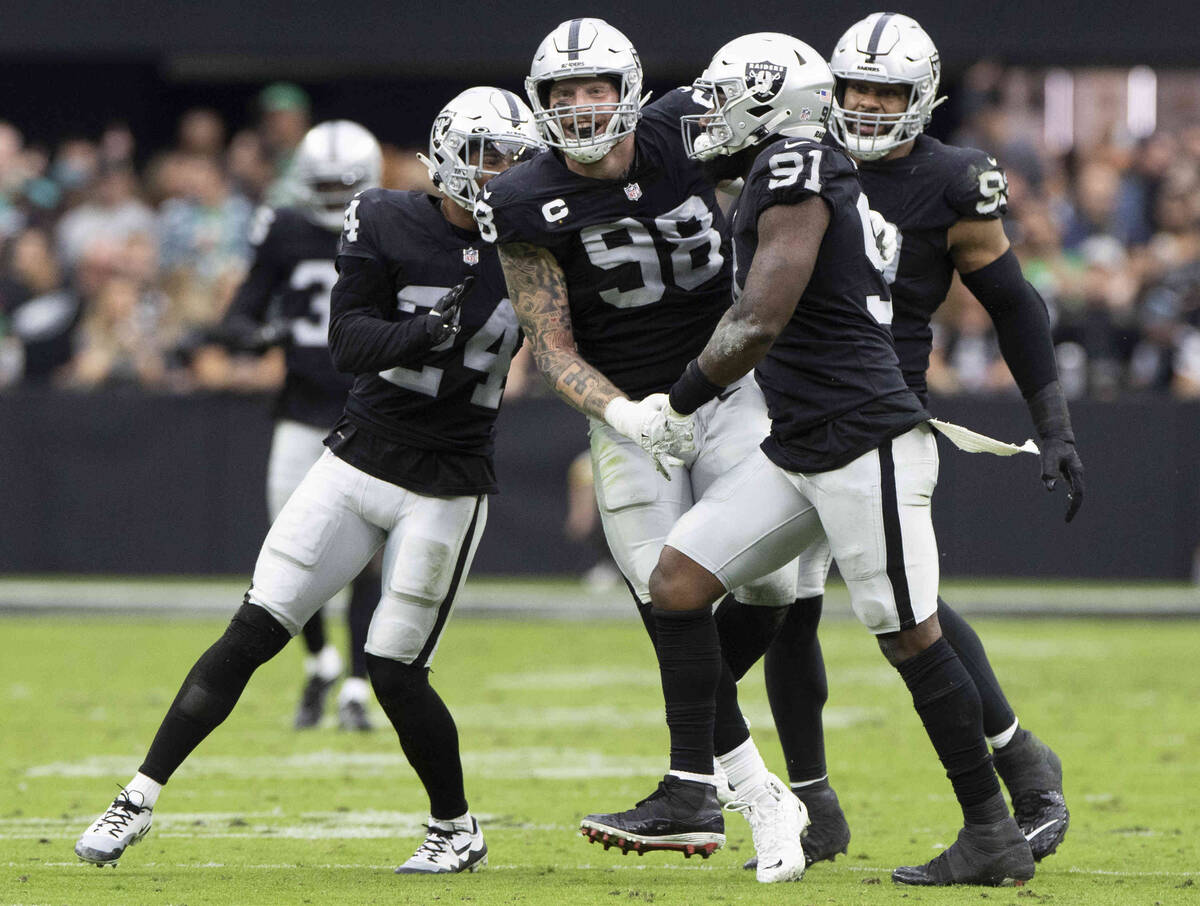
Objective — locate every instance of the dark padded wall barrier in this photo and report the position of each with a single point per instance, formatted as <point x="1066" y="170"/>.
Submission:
<point x="123" y="483"/>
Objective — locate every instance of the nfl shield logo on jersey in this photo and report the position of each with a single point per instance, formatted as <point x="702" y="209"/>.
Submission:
<point x="633" y="191"/>
<point x="764" y="79"/>
<point x="470" y="256"/>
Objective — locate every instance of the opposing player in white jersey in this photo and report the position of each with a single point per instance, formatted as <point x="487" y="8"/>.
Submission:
<point x="945" y="204"/>
<point x="618" y="262"/>
<point x="284" y="302"/>
<point x="848" y="457"/>
<point x="421" y="318"/>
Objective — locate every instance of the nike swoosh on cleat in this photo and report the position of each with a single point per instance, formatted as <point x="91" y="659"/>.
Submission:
<point x="776" y="865"/>
<point x="1037" y="830"/>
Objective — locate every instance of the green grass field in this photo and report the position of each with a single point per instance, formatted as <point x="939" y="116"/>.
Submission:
<point x="559" y="718"/>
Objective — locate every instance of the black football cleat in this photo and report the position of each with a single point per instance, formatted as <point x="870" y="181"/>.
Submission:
<point x="312" y="702"/>
<point x="681" y="815"/>
<point x="828" y="833"/>
<point x="1033" y="775"/>
<point x="988" y="855"/>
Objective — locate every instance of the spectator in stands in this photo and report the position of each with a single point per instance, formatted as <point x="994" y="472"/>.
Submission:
<point x="43" y="312"/>
<point x="114" y="212"/>
<point x="285" y="118"/>
<point x="118" y="339"/>
<point x="202" y="131"/>
<point x="203" y="244"/>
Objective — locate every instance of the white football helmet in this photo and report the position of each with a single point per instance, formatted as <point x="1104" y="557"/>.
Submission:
<point x="335" y="161"/>
<point x="585" y="47"/>
<point x="759" y="85"/>
<point x="478" y="124"/>
<point x="890" y="48"/>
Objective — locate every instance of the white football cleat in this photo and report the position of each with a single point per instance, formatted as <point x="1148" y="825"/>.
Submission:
<point x="124" y="824"/>
<point x="449" y="847"/>
<point x="777" y="819"/>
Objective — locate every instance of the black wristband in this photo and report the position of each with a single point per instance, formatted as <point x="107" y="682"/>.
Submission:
<point x="1049" y="410"/>
<point x="692" y="390"/>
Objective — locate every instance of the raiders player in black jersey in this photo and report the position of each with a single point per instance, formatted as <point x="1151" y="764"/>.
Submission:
<point x="945" y="204"/>
<point x="419" y="316"/>
<point x="618" y="263"/>
<point x="284" y="301"/>
<point x="848" y="458"/>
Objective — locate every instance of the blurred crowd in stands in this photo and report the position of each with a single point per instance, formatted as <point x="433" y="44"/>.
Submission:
<point x="113" y="258"/>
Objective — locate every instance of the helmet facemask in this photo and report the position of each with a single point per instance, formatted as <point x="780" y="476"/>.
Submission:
<point x="758" y="86"/>
<point x="885" y="49"/>
<point x="478" y="135"/>
<point x="335" y="161"/>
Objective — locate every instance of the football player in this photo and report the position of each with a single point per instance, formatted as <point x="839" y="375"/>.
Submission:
<point x="408" y="470"/>
<point x="849" y="457"/>
<point x="945" y="205"/>
<point x="284" y="301"/>
<point x="618" y="264"/>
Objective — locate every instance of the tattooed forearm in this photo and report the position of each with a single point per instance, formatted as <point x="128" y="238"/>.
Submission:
<point x="538" y="290"/>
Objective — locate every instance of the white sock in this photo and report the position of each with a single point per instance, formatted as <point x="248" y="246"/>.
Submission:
<point x="1000" y="740"/>
<point x="354" y="689"/>
<point x="326" y="663"/>
<point x="147" y="787"/>
<point x="695" y="778"/>
<point x="744" y="766"/>
<point x="462" y="822"/>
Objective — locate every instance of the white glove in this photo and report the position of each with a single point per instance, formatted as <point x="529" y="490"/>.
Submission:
<point x="885" y="238"/>
<point x="670" y="433"/>
<point x="634" y="420"/>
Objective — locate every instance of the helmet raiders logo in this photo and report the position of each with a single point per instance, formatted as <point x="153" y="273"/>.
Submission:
<point x="764" y="79"/>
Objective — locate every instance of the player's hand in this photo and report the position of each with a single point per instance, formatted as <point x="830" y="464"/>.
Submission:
<point x="670" y="433"/>
<point x="1060" y="460"/>
<point x="442" y="322"/>
<point x="885" y="237"/>
<point x="634" y="420"/>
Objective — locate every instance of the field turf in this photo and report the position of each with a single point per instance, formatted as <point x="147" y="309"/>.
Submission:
<point x="557" y="719"/>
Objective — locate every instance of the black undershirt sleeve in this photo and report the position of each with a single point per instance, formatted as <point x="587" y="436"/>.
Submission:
<point x="361" y="339"/>
<point x="1022" y="322"/>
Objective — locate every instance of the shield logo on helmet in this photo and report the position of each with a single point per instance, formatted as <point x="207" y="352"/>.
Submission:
<point x="764" y="79"/>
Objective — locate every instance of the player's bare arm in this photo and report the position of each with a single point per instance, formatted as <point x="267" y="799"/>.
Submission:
<point x="789" y="239"/>
<point x="975" y="243"/>
<point x="538" y="290"/>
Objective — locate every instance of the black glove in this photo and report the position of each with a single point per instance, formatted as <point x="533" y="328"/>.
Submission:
<point x="1057" y="442"/>
<point x="442" y="321"/>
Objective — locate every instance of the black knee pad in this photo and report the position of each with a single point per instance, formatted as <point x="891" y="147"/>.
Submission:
<point x="394" y="680"/>
<point x="255" y="634"/>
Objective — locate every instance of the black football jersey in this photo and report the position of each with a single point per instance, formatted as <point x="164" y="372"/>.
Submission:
<point x="429" y="428"/>
<point x="924" y="194"/>
<point x="831" y="380"/>
<point x="646" y="258"/>
<point x="290" y="277"/>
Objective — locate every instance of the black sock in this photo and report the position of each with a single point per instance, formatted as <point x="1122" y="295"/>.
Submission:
<point x="998" y="715"/>
<point x="364" y="596"/>
<point x="689" y="661"/>
<point x="314" y="632"/>
<point x="212" y="688"/>
<point x="426" y="731"/>
<point x="948" y="704"/>
<point x="797" y="689"/>
<point x="746" y="632"/>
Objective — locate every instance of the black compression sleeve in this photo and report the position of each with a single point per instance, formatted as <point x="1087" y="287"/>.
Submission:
<point x="692" y="390"/>
<point x="1022" y="323"/>
<point x="361" y="338"/>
